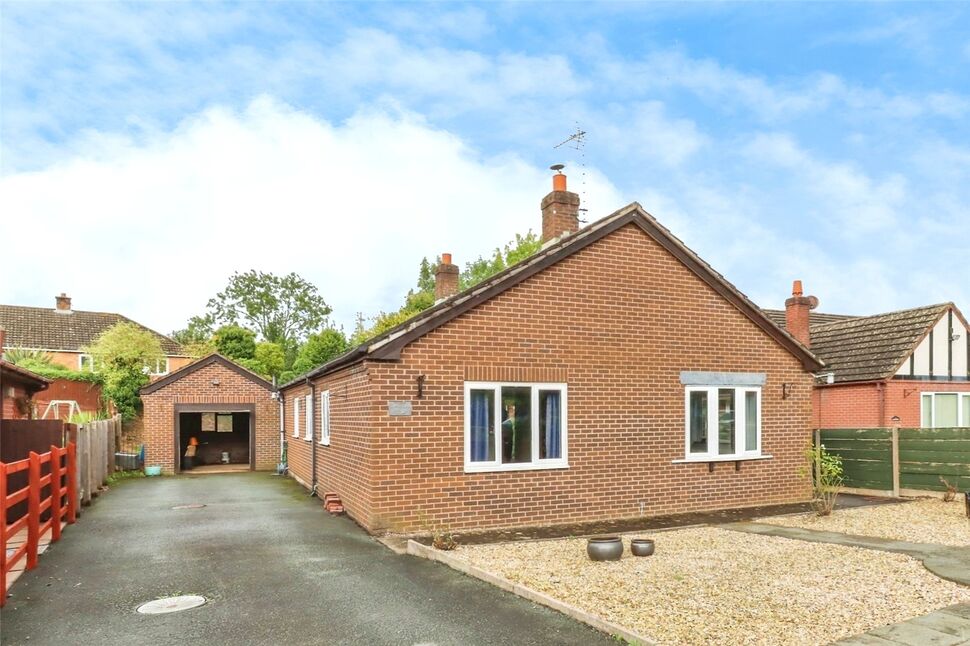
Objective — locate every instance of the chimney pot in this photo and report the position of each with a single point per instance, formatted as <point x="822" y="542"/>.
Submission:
<point x="445" y="278"/>
<point x="63" y="302"/>
<point x="559" y="182"/>
<point x="797" y="314"/>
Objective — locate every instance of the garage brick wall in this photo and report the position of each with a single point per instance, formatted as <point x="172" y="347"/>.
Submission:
<point x="197" y="388"/>
<point x="617" y="321"/>
<point x="873" y="405"/>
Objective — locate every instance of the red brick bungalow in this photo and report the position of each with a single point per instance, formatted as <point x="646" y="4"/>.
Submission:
<point x="909" y="367"/>
<point x="611" y="375"/>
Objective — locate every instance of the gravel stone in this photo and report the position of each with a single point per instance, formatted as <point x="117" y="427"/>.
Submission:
<point x="707" y="585"/>
<point x="926" y="520"/>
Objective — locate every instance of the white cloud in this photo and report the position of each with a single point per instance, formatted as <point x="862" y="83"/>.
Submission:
<point x="154" y="228"/>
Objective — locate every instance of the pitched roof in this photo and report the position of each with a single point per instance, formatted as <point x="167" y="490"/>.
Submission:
<point x="387" y="346"/>
<point x="202" y="363"/>
<point x="866" y="348"/>
<point x="23" y="375"/>
<point x="46" y="328"/>
<point x="814" y="318"/>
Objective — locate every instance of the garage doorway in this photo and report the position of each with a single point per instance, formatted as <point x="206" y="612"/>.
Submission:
<point x="224" y="435"/>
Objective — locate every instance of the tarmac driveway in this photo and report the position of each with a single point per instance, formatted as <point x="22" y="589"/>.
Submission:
<point x="276" y="568"/>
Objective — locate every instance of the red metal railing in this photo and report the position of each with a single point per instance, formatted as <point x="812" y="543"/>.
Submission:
<point x="63" y="465"/>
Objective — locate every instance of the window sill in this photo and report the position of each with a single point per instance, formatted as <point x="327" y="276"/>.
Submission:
<point x="308" y="439"/>
<point x="722" y="458"/>
<point x="322" y="443"/>
<point x="525" y="466"/>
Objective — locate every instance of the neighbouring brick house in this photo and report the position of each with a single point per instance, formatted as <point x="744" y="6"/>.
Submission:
<point x="62" y="334"/>
<point x="18" y="387"/>
<point x="909" y="367"/>
<point x="227" y="408"/>
<point x="612" y="374"/>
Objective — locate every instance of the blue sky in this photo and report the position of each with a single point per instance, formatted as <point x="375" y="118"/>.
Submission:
<point x="169" y="144"/>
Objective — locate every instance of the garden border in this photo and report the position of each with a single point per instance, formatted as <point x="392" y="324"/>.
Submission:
<point x="614" y="630"/>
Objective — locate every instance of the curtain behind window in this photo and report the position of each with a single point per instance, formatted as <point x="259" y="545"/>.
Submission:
<point x="482" y="447"/>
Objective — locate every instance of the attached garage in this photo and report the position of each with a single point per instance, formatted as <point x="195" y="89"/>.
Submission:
<point x="222" y="410"/>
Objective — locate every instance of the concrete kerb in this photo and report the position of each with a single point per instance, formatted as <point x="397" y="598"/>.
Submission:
<point x="417" y="549"/>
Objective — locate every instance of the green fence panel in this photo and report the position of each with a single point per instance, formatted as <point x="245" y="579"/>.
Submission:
<point x="866" y="456"/>
<point x="927" y="454"/>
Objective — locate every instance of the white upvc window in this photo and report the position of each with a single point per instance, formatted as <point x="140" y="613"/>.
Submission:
<point x="308" y="411"/>
<point x="722" y="422"/>
<point x="945" y="410"/>
<point x="325" y="417"/>
<point x="85" y="363"/>
<point x="296" y="417"/>
<point x="160" y="367"/>
<point x="515" y="426"/>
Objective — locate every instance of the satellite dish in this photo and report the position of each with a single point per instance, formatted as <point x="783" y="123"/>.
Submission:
<point x="812" y="302"/>
<point x="557" y="167"/>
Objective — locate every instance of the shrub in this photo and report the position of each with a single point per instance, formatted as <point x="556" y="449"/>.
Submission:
<point x="826" y="472"/>
<point x="951" y="490"/>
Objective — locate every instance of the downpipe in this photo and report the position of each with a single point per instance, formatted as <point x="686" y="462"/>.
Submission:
<point x="313" y="436"/>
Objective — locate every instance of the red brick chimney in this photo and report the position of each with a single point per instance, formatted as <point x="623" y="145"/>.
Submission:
<point x="3" y="339"/>
<point x="445" y="278"/>
<point x="797" y="310"/>
<point x="63" y="302"/>
<point x="560" y="209"/>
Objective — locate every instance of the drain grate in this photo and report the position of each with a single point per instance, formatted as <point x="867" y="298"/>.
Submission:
<point x="171" y="604"/>
<point x="195" y="505"/>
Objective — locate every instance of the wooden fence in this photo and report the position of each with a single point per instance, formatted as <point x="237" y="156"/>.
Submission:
<point x="52" y="494"/>
<point x="903" y="461"/>
<point x="96" y="445"/>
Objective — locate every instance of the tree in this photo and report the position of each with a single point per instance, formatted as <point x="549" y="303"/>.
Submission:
<point x="198" y="330"/>
<point x="124" y="354"/>
<point x="422" y="298"/>
<point x="235" y="342"/>
<point x="281" y="309"/>
<point x="268" y="360"/>
<point x="319" y="349"/>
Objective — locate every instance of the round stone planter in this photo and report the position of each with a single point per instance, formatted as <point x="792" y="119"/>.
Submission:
<point x="604" y="548"/>
<point x="642" y="546"/>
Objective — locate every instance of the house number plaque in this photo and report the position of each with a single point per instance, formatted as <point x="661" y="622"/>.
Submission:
<point x="397" y="408"/>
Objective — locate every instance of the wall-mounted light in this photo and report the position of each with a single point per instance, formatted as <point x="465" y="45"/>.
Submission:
<point x="420" y="380"/>
<point x="215" y="382"/>
<point x="786" y="390"/>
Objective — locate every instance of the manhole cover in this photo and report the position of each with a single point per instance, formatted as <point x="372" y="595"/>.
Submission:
<point x="195" y="505"/>
<point x="171" y="604"/>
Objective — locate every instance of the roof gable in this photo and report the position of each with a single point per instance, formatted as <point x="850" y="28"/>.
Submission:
<point x="388" y="345"/>
<point x="45" y="328"/>
<point x="213" y="358"/>
<point x="868" y="348"/>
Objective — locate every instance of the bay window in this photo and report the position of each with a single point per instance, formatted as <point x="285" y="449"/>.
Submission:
<point x="514" y="426"/>
<point x="722" y="422"/>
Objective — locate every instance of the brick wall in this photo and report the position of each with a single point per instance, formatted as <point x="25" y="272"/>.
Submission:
<point x="196" y="388"/>
<point x="345" y="466"/>
<point x="874" y="405"/>
<point x="8" y="402"/>
<point x="618" y="321"/>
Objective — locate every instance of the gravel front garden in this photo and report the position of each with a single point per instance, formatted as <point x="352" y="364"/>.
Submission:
<point x="926" y="520"/>
<point x="707" y="585"/>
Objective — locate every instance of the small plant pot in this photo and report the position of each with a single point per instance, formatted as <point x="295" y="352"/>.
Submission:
<point x="604" y="548"/>
<point x="642" y="547"/>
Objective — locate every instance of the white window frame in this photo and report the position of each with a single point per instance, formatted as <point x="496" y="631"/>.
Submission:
<point x="561" y="462"/>
<point x="308" y="412"/>
<point x="325" y="418"/>
<point x="158" y="366"/>
<point x="713" y="436"/>
<point x="963" y="397"/>
<point x="296" y="417"/>
<point x="80" y="362"/>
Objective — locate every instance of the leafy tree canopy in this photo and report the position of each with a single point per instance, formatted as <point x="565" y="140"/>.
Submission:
<point x="421" y="298"/>
<point x="319" y="349"/>
<point x="235" y="342"/>
<point x="281" y="309"/>
<point x="124" y="354"/>
<point x="268" y="360"/>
